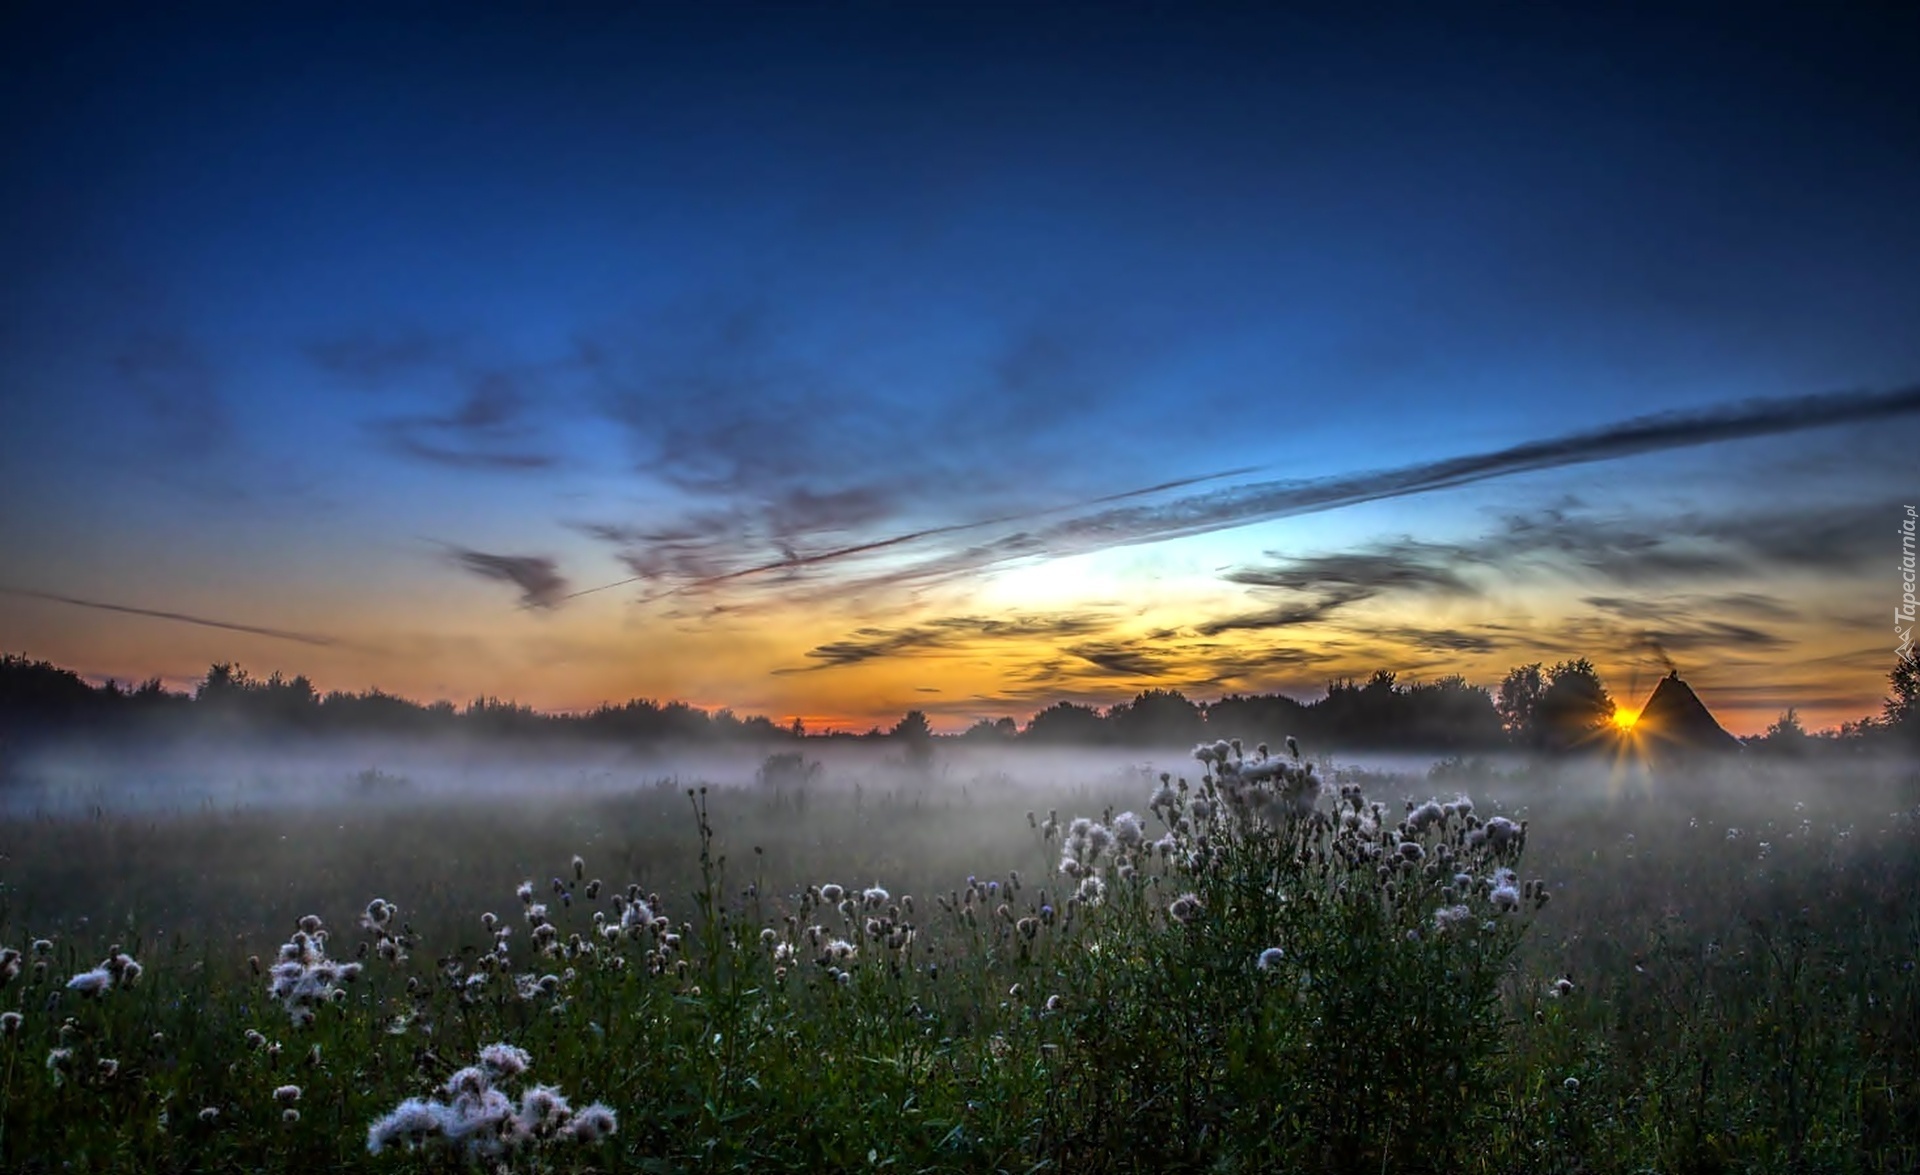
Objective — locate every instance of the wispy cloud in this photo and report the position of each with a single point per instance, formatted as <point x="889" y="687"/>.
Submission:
<point x="946" y="634"/>
<point x="282" y="634"/>
<point x="1083" y="530"/>
<point x="539" y="580"/>
<point x="1237" y="506"/>
<point x="488" y="429"/>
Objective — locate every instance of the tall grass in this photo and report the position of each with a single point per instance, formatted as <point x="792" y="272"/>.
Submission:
<point x="1265" y="968"/>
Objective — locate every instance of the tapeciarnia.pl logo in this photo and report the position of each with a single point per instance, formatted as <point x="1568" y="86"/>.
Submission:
<point x="1903" y="615"/>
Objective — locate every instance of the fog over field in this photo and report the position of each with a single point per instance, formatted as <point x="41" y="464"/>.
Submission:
<point x="939" y="588"/>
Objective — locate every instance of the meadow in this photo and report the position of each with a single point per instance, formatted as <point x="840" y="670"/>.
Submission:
<point x="1020" y="963"/>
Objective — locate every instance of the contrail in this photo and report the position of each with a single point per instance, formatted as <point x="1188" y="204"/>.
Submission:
<point x="839" y="553"/>
<point x="1234" y="506"/>
<point x="305" y="638"/>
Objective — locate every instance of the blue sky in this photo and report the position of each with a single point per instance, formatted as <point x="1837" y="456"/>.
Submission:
<point x="396" y="330"/>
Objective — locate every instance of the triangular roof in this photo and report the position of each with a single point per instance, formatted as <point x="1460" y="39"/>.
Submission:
<point x="1675" y="719"/>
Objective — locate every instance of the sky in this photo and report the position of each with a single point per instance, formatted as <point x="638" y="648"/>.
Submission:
<point x="834" y="361"/>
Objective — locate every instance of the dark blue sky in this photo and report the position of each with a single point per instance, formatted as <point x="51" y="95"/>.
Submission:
<point x="367" y="326"/>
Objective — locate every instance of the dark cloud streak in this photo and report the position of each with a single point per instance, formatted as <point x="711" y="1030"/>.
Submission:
<point x="540" y="583"/>
<point x="305" y="638"/>
<point x="1260" y="502"/>
<point x="945" y="634"/>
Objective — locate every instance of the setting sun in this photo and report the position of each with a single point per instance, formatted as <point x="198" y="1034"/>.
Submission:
<point x="1624" y="718"/>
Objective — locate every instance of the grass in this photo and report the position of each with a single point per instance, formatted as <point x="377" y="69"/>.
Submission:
<point x="1738" y="957"/>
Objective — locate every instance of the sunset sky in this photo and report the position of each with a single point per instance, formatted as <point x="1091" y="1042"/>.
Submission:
<point x="834" y="362"/>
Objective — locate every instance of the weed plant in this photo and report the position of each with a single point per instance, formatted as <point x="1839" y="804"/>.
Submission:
<point x="1261" y="968"/>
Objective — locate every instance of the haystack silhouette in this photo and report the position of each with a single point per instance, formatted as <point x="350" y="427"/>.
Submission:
<point x="1676" y="722"/>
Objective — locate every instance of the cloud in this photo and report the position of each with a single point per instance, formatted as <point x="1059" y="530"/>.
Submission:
<point x="1120" y="659"/>
<point x="305" y="638"/>
<point x="491" y="425"/>
<point x="487" y="430"/>
<point x="1335" y="581"/>
<point x="1662" y="608"/>
<point x="1232" y="506"/>
<point x="540" y="583"/>
<point x="1445" y="640"/>
<point x="1684" y="550"/>
<point x="945" y="634"/>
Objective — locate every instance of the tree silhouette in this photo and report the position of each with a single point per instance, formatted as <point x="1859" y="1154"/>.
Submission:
<point x="1902" y="708"/>
<point x="1067" y="722"/>
<point x="1574" y="706"/>
<point x="1157" y="717"/>
<point x="915" y="734"/>
<point x="1519" y="701"/>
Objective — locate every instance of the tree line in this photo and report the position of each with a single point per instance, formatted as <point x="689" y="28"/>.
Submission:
<point x="1557" y="708"/>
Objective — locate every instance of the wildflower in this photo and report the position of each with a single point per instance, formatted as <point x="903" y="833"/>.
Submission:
<point x="841" y="950"/>
<point x="59" y="1060"/>
<point x="10" y="1023"/>
<point x="1091" y="890"/>
<point x="304" y="977"/>
<point x="1054" y="1003"/>
<point x="378" y="914"/>
<point x="876" y="897"/>
<point x="1271" y="957"/>
<point x="1411" y="851"/>
<point x="579" y="867"/>
<point x="504" y="1060"/>
<point x="1562" y="987"/>
<point x="1505" y="898"/>
<point x="91" y="983"/>
<point x="525" y="893"/>
<point x="109" y="1068"/>
<point x="11" y="962"/>
<point x="1128" y="832"/>
<point x="1425" y="816"/>
<point x="286" y="1095"/>
<point x="414" y="1120"/>
<point x="1163" y="796"/>
<point x="289" y="1115"/>
<point x="1185" y="909"/>
<point x="208" y="1115"/>
<point x="1448" y="917"/>
<point x="592" y="1124"/>
<point x="1571" y="1085"/>
<point x="831" y="894"/>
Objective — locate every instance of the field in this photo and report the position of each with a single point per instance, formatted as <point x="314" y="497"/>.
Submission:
<point x="870" y="966"/>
